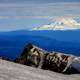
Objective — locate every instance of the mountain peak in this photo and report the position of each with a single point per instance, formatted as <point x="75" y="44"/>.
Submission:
<point x="60" y="24"/>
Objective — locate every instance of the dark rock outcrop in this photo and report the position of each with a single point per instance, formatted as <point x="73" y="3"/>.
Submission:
<point x="32" y="56"/>
<point x="37" y="57"/>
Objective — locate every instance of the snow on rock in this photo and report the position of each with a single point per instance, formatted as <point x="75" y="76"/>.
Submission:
<point x="13" y="71"/>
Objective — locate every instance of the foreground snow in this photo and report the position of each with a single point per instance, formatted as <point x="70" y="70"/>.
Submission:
<point x="13" y="71"/>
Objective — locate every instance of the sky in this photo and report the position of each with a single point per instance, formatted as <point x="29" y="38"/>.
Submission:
<point x="27" y="14"/>
<point x="37" y="1"/>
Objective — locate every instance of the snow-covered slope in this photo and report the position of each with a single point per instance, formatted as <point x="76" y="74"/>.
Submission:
<point x="60" y="24"/>
<point x="13" y="71"/>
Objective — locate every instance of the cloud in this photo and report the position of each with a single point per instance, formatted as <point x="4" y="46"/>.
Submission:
<point x="22" y="14"/>
<point x="38" y="11"/>
<point x="23" y="17"/>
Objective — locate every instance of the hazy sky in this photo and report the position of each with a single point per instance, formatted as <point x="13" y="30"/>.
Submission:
<point x="36" y="1"/>
<point x="26" y="14"/>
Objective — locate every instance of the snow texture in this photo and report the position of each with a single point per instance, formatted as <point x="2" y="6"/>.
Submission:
<point x="13" y="71"/>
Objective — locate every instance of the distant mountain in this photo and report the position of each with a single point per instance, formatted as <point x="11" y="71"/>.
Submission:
<point x="12" y="43"/>
<point x="60" y="35"/>
<point x="60" y="24"/>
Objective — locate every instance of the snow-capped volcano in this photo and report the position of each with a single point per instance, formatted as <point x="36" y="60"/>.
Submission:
<point x="60" y="24"/>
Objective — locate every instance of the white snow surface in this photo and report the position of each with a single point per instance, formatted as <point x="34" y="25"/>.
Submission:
<point x="13" y="71"/>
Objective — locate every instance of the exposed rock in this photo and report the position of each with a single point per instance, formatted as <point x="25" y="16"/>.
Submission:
<point x="55" y="61"/>
<point x="32" y="56"/>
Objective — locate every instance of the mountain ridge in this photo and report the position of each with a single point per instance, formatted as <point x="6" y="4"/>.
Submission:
<point x="60" y="24"/>
<point x="12" y="43"/>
